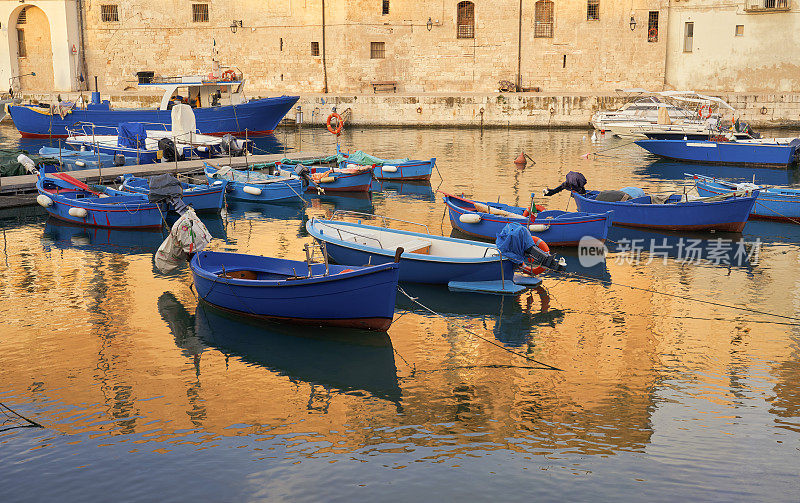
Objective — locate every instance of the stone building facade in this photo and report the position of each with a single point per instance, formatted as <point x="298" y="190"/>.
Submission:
<point x="419" y="46"/>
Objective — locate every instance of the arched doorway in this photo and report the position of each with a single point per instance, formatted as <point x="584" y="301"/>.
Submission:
<point x="34" y="54"/>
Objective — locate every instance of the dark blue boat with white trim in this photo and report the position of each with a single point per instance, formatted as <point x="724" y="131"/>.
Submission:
<point x="773" y="203"/>
<point x="557" y="228"/>
<point x="297" y="292"/>
<point x="676" y="212"/>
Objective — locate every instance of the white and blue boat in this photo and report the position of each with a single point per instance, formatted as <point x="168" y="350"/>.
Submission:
<point x="257" y="186"/>
<point x="781" y="152"/>
<point x="773" y="203"/>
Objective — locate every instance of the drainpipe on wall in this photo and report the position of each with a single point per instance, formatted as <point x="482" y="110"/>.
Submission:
<point x="519" y="50"/>
<point x="84" y="85"/>
<point x="324" y="63"/>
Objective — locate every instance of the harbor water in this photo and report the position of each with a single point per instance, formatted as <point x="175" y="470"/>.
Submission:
<point x="675" y="380"/>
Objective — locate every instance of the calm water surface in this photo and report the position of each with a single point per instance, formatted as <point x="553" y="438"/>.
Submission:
<point x="147" y="396"/>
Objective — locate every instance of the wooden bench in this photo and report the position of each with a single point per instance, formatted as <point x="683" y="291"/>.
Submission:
<point x="384" y="85"/>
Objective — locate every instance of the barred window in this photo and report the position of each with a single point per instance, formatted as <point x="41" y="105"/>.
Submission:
<point x="22" y="51"/>
<point x="652" y="26"/>
<point x="23" y="16"/>
<point x="109" y="14"/>
<point x="465" y="26"/>
<point x="385" y="8"/>
<point x="314" y="48"/>
<point x="199" y="12"/>
<point x="592" y="10"/>
<point x="543" y="19"/>
<point x="377" y="50"/>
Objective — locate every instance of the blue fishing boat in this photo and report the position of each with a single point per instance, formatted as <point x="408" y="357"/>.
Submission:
<point x="297" y="292"/>
<point x="200" y="197"/>
<point x="69" y="199"/>
<point x="772" y="203"/>
<point x="257" y="186"/>
<point x="557" y="228"/>
<point x="755" y="152"/>
<point x="220" y="108"/>
<point x="458" y="263"/>
<point x="673" y="212"/>
<point x="390" y="169"/>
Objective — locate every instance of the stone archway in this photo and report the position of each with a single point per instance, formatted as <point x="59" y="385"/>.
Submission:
<point x="32" y="50"/>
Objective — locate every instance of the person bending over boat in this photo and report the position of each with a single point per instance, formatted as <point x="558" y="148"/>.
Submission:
<point x="575" y="183"/>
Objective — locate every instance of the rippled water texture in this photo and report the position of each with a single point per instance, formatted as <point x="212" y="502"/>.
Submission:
<point x="147" y="396"/>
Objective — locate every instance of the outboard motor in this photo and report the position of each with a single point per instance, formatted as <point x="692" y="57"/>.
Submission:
<point x="119" y="160"/>
<point x="169" y="150"/>
<point x="231" y="145"/>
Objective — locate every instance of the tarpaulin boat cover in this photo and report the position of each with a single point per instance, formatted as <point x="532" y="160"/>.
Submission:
<point x="359" y="157"/>
<point x="513" y="241"/>
<point x="187" y="236"/>
<point x="131" y="135"/>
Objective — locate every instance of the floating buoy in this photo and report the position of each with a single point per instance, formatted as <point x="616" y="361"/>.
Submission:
<point x="44" y="201"/>
<point x="521" y="159"/>
<point x="80" y="163"/>
<point x="469" y="218"/>
<point x="255" y="191"/>
<point x="327" y="179"/>
<point x="78" y="212"/>
<point x="389" y="169"/>
<point x="538" y="227"/>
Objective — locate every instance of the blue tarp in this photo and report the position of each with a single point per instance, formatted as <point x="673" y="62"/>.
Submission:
<point x="131" y="135"/>
<point x="512" y="242"/>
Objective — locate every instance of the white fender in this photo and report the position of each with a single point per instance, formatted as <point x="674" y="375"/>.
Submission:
<point x="389" y="169"/>
<point x="327" y="179"/>
<point x="78" y="212"/>
<point x="255" y="191"/>
<point x="469" y="218"/>
<point x="538" y="227"/>
<point x="80" y="163"/>
<point x="44" y="201"/>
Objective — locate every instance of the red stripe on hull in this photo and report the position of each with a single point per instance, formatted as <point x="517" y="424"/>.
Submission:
<point x="376" y="324"/>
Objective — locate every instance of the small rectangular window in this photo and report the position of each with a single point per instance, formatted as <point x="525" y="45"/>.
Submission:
<point x="385" y="7"/>
<point x="739" y="30"/>
<point x="688" y="37"/>
<point x="21" y="49"/>
<point x="109" y="14"/>
<point x="592" y="10"/>
<point x="652" y="26"/>
<point x="377" y="50"/>
<point x="199" y="12"/>
<point x="315" y="48"/>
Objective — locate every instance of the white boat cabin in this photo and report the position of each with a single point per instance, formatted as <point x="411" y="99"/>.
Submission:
<point x="197" y="92"/>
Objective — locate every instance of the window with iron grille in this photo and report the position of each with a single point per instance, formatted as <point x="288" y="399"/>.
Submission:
<point x="385" y="8"/>
<point x="543" y="19"/>
<point x="652" y="26"/>
<point x="592" y="10"/>
<point x="465" y="26"/>
<point x="23" y="16"/>
<point x="109" y="14"/>
<point x="22" y="51"/>
<point x="315" y="48"/>
<point x="200" y="12"/>
<point x="377" y="50"/>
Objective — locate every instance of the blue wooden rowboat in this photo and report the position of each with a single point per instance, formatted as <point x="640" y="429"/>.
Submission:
<point x="674" y="214"/>
<point x="555" y="227"/>
<point x="256" y="186"/>
<point x="426" y="258"/>
<point x="200" y="197"/>
<point x="69" y="199"/>
<point x="761" y="152"/>
<point x="282" y="290"/>
<point x="390" y="169"/>
<point x="773" y="203"/>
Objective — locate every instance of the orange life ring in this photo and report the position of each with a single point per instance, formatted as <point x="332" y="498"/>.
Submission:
<point x="339" y="123"/>
<point x="228" y="75"/>
<point x="539" y="242"/>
